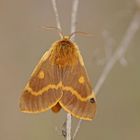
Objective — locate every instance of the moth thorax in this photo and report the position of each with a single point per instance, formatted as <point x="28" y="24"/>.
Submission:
<point x="64" y="53"/>
<point x="65" y="43"/>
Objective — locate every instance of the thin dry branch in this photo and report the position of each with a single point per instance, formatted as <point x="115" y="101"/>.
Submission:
<point x="77" y="129"/>
<point x="118" y="54"/>
<point x="68" y="127"/>
<point x="73" y="29"/>
<point x="75" y="6"/>
<point x="56" y="14"/>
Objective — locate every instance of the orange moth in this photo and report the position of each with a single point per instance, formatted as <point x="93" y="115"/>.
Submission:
<point x="60" y="81"/>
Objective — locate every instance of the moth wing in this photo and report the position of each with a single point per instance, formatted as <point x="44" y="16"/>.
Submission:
<point x="78" y="98"/>
<point x="42" y="92"/>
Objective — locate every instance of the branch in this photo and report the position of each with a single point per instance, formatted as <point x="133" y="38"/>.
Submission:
<point x="74" y="16"/>
<point x="73" y="28"/>
<point x="77" y="129"/>
<point x="118" y="54"/>
<point x="68" y="127"/>
<point x="56" y="14"/>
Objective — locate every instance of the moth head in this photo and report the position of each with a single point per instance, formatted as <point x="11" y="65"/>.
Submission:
<point x="65" y="42"/>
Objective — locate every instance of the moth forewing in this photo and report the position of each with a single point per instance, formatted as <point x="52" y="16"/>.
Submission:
<point x="43" y="91"/>
<point x="78" y="97"/>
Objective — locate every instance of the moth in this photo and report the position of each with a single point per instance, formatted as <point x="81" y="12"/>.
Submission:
<point x="60" y="81"/>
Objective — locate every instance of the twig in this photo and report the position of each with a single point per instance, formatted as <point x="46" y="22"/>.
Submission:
<point x="77" y="129"/>
<point x="56" y="14"/>
<point x="125" y="43"/>
<point x="68" y="127"/>
<point x="75" y="6"/>
<point x="68" y="123"/>
<point x="73" y="28"/>
<point x="130" y="33"/>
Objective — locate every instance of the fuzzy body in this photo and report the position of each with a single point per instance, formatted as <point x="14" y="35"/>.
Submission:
<point x="64" y="53"/>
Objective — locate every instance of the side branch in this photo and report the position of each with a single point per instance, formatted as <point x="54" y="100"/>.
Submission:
<point x="118" y="54"/>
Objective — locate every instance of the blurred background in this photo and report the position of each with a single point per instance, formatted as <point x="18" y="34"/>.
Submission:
<point x="23" y="42"/>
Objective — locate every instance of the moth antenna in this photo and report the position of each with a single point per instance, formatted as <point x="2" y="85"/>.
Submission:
<point x="79" y="33"/>
<point x="54" y="28"/>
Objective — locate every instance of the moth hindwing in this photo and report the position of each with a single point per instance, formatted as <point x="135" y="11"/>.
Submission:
<point x="60" y="81"/>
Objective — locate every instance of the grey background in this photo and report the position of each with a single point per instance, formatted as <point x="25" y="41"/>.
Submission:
<point x="23" y="42"/>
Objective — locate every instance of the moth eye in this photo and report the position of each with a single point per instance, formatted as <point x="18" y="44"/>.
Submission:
<point x="41" y="75"/>
<point x="92" y="100"/>
<point x="81" y="80"/>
